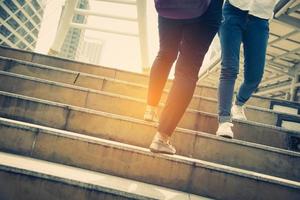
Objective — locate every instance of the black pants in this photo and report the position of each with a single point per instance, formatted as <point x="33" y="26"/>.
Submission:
<point x="191" y="39"/>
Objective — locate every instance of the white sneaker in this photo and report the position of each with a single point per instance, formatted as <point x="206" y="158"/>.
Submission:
<point x="224" y="130"/>
<point x="160" y="146"/>
<point x="151" y="114"/>
<point x="238" y="112"/>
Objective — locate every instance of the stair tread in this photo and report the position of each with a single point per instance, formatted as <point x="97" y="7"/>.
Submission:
<point x="181" y="130"/>
<point x="145" y="151"/>
<point x="109" y="78"/>
<point x="96" y="129"/>
<point x="80" y="88"/>
<point x="18" y="96"/>
<point x="88" y="179"/>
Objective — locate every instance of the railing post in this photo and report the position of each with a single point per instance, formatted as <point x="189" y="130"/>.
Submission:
<point x="63" y="26"/>
<point x="142" y="25"/>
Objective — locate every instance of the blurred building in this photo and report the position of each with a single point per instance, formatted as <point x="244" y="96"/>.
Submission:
<point x="75" y="36"/>
<point x="20" y="22"/>
<point x="90" y="51"/>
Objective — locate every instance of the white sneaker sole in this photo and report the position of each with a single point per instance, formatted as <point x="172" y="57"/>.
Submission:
<point x="159" y="151"/>
<point x="150" y="118"/>
<point x="225" y="135"/>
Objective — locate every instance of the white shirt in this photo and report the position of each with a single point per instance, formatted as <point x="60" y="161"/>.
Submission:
<point x="259" y="8"/>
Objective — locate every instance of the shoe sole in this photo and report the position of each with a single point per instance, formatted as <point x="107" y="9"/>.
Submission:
<point x="226" y="136"/>
<point x="150" y="120"/>
<point x="163" y="152"/>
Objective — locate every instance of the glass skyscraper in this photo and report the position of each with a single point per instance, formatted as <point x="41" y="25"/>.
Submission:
<point x="20" y="22"/>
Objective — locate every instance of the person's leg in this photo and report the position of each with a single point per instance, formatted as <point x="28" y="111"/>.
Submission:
<point x="169" y="39"/>
<point x="197" y="38"/>
<point x="230" y="38"/>
<point x="196" y="41"/>
<point x="255" y="40"/>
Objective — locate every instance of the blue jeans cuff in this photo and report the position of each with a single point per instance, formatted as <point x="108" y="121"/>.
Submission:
<point x="223" y="119"/>
<point x="238" y="103"/>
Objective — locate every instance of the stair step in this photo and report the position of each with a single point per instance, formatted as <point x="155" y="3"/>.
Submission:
<point x="124" y="88"/>
<point x="73" y="65"/>
<point x="127" y="161"/>
<point x="97" y="100"/>
<point x="244" y="130"/>
<point x="85" y="79"/>
<point x="29" y="178"/>
<point x="255" y="157"/>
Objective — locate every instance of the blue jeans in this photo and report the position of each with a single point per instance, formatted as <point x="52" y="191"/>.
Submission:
<point x="186" y="42"/>
<point x="240" y="27"/>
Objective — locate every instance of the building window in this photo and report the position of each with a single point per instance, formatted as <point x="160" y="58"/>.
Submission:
<point x="3" y="14"/>
<point x="78" y="18"/>
<point x="5" y="44"/>
<point x="21" y="16"/>
<point x="13" y="23"/>
<point x="36" y="19"/>
<point x="35" y="5"/>
<point x="29" y="39"/>
<point x="21" y="45"/>
<point x="22" y="31"/>
<point x="28" y="10"/>
<point x="29" y="25"/>
<point x="35" y="32"/>
<point x="21" y="2"/>
<point x="4" y="31"/>
<point x="11" y="5"/>
<point x="13" y="39"/>
<point x="41" y="12"/>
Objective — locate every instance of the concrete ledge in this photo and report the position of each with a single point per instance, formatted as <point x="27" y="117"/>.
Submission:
<point x="138" y="163"/>
<point x="206" y="121"/>
<point x="105" y="84"/>
<point x="65" y="181"/>
<point x="97" y="70"/>
<point x="90" y="80"/>
<point x="93" y="99"/>
<point x="128" y="130"/>
<point x="73" y="65"/>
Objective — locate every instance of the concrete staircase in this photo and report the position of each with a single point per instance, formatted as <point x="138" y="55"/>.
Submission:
<point x="72" y="130"/>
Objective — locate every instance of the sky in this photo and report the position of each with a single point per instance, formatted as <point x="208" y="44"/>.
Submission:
<point x="118" y="51"/>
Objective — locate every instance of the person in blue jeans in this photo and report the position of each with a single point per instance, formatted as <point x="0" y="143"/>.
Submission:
<point x="247" y="22"/>
<point x="186" y="30"/>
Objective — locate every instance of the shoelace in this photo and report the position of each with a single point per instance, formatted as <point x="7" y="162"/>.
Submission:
<point x="166" y="142"/>
<point x="152" y="112"/>
<point x="241" y="111"/>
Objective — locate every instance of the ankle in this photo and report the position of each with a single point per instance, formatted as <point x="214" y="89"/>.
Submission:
<point x="162" y="136"/>
<point x="238" y="103"/>
<point x="151" y="108"/>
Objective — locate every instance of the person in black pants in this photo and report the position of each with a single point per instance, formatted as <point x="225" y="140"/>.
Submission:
<point x="190" y="38"/>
